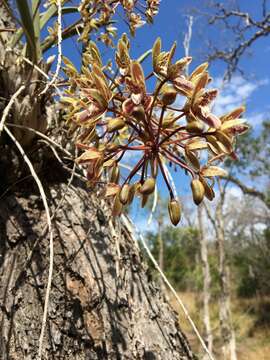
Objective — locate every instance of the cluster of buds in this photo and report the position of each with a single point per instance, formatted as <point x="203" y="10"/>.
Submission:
<point x="97" y="14"/>
<point x="120" y="114"/>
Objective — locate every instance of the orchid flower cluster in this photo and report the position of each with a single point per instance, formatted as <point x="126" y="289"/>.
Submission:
<point x="98" y="13"/>
<point x="98" y="17"/>
<point x="121" y="114"/>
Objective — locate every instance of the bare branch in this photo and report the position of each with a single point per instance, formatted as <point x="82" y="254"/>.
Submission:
<point x="247" y="31"/>
<point x="154" y="206"/>
<point x="248" y="190"/>
<point x="210" y="216"/>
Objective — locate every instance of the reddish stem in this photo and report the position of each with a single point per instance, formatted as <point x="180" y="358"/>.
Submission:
<point x="182" y="139"/>
<point x="173" y="158"/>
<point x="160" y="122"/>
<point x="174" y="109"/>
<point x="137" y="167"/>
<point x="149" y="76"/>
<point x="155" y="97"/>
<point x="165" y="178"/>
<point x="141" y="147"/>
<point x="171" y="134"/>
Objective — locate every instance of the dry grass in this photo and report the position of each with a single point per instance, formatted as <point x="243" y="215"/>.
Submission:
<point x="252" y="326"/>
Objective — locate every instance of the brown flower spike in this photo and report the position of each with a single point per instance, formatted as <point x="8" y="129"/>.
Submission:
<point x="121" y="114"/>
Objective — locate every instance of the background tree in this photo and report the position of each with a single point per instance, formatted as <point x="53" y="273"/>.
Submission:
<point x="206" y="278"/>
<point x="226" y="328"/>
<point x="180" y="251"/>
<point x="253" y="164"/>
<point x="241" y="27"/>
<point x="240" y="30"/>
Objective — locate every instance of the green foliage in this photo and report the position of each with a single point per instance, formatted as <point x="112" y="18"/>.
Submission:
<point x="181" y="250"/>
<point x="249" y="259"/>
<point x="253" y="153"/>
<point x="252" y="265"/>
<point x="30" y="25"/>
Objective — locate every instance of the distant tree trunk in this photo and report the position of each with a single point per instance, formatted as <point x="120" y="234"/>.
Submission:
<point x="103" y="304"/>
<point x="227" y="331"/>
<point x="206" y="281"/>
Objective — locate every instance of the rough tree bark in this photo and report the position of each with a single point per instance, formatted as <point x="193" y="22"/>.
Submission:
<point x="103" y="304"/>
<point x="206" y="281"/>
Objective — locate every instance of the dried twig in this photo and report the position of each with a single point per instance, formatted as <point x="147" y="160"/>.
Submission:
<point x="9" y="105"/>
<point x="55" y="144"/>
<point x="171" y="179"/>
<point x="41" y="72"/>
<point x="125" y="166"/>
<point x="153" y="206"/>
<point x="49" y="223"/>
<point x="45" y="137"/>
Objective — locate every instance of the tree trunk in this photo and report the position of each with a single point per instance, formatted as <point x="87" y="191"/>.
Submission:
<point x="206" y="281"/>
<point x="227" y="331"/>
<point x="103" y="304"/>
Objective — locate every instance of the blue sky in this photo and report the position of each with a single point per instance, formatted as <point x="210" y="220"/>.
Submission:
<point x="171" y="24"/>
<point x="253" y="90"/>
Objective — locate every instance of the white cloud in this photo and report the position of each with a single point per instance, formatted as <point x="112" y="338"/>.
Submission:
<point x="234" y="93"/>
<point x="256" y="119"/>
<point x="235" y="192"/>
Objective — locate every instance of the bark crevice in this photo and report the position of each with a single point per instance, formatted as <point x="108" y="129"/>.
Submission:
<point x="103" y="304"/>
